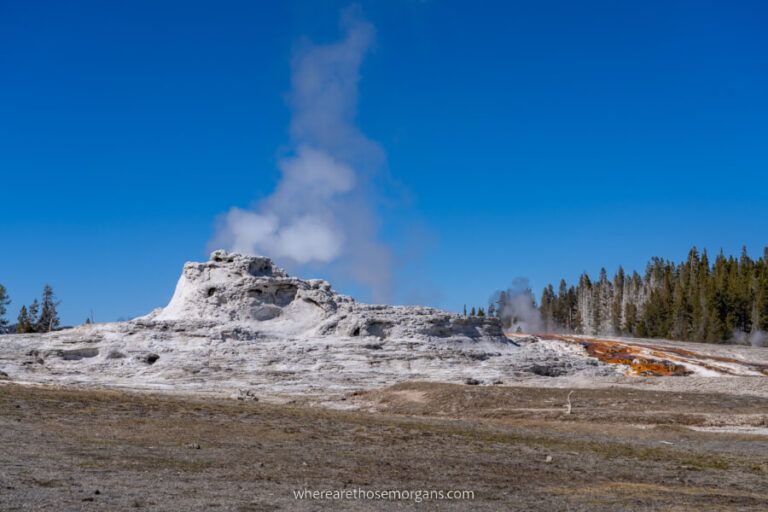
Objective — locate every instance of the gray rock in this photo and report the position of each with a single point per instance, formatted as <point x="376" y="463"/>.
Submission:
<point x="548" y="370"/>
<point x="150" y="358"/>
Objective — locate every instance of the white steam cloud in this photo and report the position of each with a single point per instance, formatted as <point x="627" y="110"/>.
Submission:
<point x="755" y="338"/>
<point x="322" y="209"/>
<point x="516" y="307"/>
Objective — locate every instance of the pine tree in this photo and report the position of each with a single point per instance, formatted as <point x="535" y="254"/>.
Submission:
<point x="4" y="301"/>
<point x="34" y="311"/>
<point x="695" y="299"/>
<point x="49" y="317"/>
<point x="574" y="316"/>
<point x="718" y="301"/>
<point x="472" y="312"/>
<point x="502" y="304"/>
<point x="465" y="310"/>
<point x="601" y="299"/>
<point x="480" y="312"/>
<point x="561" y="312"/>
<point x="761" y="297"/>
<point x="585" y="303"/>
<point x="618" y="301"/>
<point x="22" y="322"/>
<point x="681" y="313"/>
<point x="547" y="308"/>
<point x="704" y="278"/>
<point x="745" y="280"/>
<point x="630" y="319"/>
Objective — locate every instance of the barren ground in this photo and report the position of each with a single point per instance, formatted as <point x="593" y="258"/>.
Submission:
<point x="620" y="449"/>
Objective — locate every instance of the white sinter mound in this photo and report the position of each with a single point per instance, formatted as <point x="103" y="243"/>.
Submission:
<point x="251" y="289"/>
<point x="239" y="322"/>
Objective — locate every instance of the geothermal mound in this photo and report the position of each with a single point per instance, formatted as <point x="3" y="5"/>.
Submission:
<point x="239" y="324"/>
<point x="234" y="288"/>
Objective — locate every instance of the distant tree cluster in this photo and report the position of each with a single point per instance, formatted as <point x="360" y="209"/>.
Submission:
<point x="696" y="300"/>
<point x="480" y="311"/>
<point x="40" y="316"/>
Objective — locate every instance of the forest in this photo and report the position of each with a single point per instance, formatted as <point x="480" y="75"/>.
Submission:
<point x="695" y="300"/>
<point x="720" y="301"/>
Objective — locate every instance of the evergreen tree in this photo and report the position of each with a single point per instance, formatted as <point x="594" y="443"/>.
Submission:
<point x="34" y="311"/>
<point x="4" y="301"/>
<point x="547" y="308"/>
<point x="585" y="303"/>
<point x="692" y="284"/>
<point x="761" y="296"/>
<point x="472" y="311"/>
<point x="600" y="303"/>
<point x="49" y="317"/>
<point x="618" y="302"/>
<point x="681" y="313"/>
<point x="630" y="319"/>
<point x="23" y="324"/>
<point x="574" y="315"/>
<point x="502" y="304"/>
<point x="717" y="301"/>
<point x="480" y="312"/>
<point x="704" y="276"/>
<point x="560" y="310"/>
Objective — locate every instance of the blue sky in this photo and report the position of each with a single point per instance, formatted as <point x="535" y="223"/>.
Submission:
<point x="537" y="139"/>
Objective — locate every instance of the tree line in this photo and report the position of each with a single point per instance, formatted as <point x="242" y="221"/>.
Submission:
<point x="39" y="316"/>
<point x="696" y="300"/>
<point x="480" y="311"/>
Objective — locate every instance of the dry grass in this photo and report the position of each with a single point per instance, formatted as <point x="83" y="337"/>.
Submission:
<point x="140" y="451"/>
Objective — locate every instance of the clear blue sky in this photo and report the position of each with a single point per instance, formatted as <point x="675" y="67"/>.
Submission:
<point x="537" y="139"/>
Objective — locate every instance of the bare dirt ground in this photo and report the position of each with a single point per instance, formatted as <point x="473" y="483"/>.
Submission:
<point x="515" y="448"/>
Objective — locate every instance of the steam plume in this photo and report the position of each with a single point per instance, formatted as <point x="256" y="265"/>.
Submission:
<point x="755" y="338"/>
<point x="517" y="307"/>
<point x="321" y="211"/>
<point x="759" y="339"/>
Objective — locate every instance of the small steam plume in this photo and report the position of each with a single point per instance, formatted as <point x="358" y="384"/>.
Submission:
<point x="755" y="338"/>
<point x="516" y="307"/>
<point x="321" y="212"/>
<point x="758" y="339"/>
